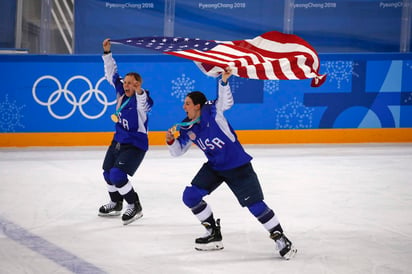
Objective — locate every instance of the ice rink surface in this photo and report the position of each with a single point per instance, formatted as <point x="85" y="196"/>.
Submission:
<point x="347" y="208"/>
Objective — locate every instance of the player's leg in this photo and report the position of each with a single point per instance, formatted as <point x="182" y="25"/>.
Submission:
<point x="127" y="162"/>
<point x="204" y="183"/>
<point x="244" y="183"/>
<point x="267" y="217"/>
<point x="115" y="205"/>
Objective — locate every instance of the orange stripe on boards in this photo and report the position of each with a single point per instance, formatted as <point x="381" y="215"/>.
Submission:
<point x="292" y="136"/>
<point x="55" y="139"/>
<point x="303" y="136"/>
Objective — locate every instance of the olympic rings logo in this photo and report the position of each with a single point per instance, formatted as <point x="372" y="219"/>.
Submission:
<point x="70" y="97"/>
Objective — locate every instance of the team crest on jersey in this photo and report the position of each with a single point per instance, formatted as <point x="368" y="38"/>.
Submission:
<point x="191" y="135"/>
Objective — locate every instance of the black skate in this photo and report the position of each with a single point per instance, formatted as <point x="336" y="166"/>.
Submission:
<point x="212" y="240"/>
<point x="284" y="245"/>
<point x="111" y="209"/>
<point x="132" y="213"/>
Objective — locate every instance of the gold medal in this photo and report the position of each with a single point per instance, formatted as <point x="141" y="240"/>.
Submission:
<point x="114" y="118"/>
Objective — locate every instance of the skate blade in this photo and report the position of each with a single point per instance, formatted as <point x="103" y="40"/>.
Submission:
<point x="136" y="217"/>
<point x="209" y="247"/>
<point x="111" y="214"/>
<point x="290" y="254"/>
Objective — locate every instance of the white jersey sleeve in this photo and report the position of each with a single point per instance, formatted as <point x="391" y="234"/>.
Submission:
<point x="225" y="98"/>
<point x="224" y="102"/>
<point x="179" y="148"/>
<point x="110" y="67"/>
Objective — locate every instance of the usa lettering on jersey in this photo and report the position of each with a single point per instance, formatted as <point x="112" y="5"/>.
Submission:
<point x="210" y="144"/>
<point x="123" y="122"/>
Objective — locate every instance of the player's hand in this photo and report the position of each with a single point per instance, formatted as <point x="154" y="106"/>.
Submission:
<point x="170" y="138"/>
<point x="106" y="44"/>
<point x="226" y="74"/>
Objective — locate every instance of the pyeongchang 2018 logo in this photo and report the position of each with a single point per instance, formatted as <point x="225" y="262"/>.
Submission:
<point x="396" y="4"/>
<point x="62" y="102"/>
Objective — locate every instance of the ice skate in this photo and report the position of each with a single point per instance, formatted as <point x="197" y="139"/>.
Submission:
<point x="212" y="240"/>
<point x="284" y="245"/>
<point x="111" y="209"/>
<point x="132" y="213"/>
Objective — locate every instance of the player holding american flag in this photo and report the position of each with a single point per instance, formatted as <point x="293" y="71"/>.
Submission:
<point x="269" y="56"/>
<point x="206" y="127"/>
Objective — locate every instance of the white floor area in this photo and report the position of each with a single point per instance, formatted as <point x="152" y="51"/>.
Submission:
<point x="347" y="208"/>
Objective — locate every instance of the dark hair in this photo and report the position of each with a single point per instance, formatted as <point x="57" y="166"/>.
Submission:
<point x="197" y="97"/>
<point x="136" y="76"/>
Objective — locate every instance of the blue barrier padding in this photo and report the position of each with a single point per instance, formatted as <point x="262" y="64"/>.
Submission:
<point x="68" y="93"/>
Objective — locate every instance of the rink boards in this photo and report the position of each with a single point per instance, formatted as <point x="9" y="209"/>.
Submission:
<point x="65" y="100"/>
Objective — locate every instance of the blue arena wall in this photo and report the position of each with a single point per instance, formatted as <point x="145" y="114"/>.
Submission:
<point x="330" y="26"/>
<point x="68" y="94"/>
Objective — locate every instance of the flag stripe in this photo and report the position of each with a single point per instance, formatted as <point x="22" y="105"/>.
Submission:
<point x="278" y="70"/>
<point x="287" y="54"/>
<point x="286" y="46"/>
<point x="193" y="55"/>
<point x="242" y="51"/>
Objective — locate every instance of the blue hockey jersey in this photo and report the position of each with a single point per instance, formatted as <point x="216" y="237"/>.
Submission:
<point x="132" y="127"/>
<point x="213" y="135"/>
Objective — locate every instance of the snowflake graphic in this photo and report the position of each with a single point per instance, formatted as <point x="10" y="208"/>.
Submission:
<point x="182" y="86"/>
<point x="271" y="86"/>
<point x="408" y="99"/>
<point x="234" y="84"/>
<point x="294" y="115"/>
<point x="339" y="71"/>
<point x="10" y="115"/>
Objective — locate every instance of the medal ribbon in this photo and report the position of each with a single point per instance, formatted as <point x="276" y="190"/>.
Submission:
<point x="177" y="126"/>
<point x="122" y="106"/>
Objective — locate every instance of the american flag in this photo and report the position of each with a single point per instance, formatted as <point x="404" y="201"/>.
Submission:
<point x="270" y="56"/>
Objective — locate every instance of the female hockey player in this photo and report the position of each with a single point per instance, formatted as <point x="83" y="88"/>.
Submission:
<point x="206" y="126"/>
<point x="130" y="141"/>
